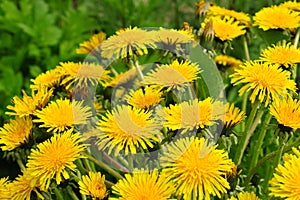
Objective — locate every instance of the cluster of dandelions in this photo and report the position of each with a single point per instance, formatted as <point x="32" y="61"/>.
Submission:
<point x="116" y="127"/>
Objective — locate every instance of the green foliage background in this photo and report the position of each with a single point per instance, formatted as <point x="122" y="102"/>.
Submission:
<point x="35" y="35"/>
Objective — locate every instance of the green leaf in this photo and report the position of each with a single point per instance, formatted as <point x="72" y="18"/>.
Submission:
<point x="35" y="70"/>
<point x="272" y="36"/>
<point x="11" y="87"/>
<point x="27" y="29"/>
<point x="210" y="74"/>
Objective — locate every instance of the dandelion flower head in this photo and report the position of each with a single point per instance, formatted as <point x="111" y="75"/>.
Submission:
<point x="143" y="185"/>
<point x="197" y="168"/>
<point x="93" y="185"/>
<point x="267" y="82"/>
<point x="277" y="17"/>
<point x="53" y="158"/>
<point x="128" y="128"/>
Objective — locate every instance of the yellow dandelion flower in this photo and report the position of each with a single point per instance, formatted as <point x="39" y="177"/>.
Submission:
<point x="170" y="38"/>
<point x="127" y="128"/>
<point x="126" y="42"/>
<point x="4" y="192"/>
<point x="122" y="79"/>
<point x="227" y="61"/>
<point x="241" y="17"/>
<point x="91" y="45"/>
<point x="29" y="104"/>
<point x="292" y="5"/>
<point x="14" y="133"/>
<point x="53" y="158"/>
<point x="208" y="29"/>
<point x="173" y="75"/>
<point x="84" y="74"/>
<point x="233" y="115"/>
<point x="144" y="98"/>
<point x="225" y="28"/>
<point x="189" y="115"/>
<point x="197" y="168"/>
<point x="267" y="81"/>
<point x="202" y="7"/>
<point x="63" y="114"/>
<point x="143" y="185"/>
<point x="22" y="187"/>
<point x="93" y="185"/>
<point x="287" y="112"/>
<point x="285" y="182"/>
<point x="286" y="56"/>
<point x="49" y="79"/>
<point x="245" y="196"/>
<point x="276" y="17"/>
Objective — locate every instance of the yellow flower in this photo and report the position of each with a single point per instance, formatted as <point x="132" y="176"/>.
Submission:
<point x="22" y="187"/>
<point x="267" y="81"/>
<point x="226" y="28"/>
<point x="126" y="42"/>
<point x="29" y="104"/>
<point x="197" y="168"/>
<point x="285" y="183"/>
<point x="53" y="158"/>
<point x="91" y="45"/>
<point x="143" y="185"/>
<point x="14" y="133"/>
<point x="233" y="115"/>
<point x="202" y="7"/>
<point x="4" y="192"/>
<point x="122" y="79"/>
<point x="287" y="112"/>
<point x="292" y="5"/>
<point x="63" y="114"/>
<point x="189" y="115"/>
<point x="49" y="79"/>
<point x="169" y="39"/>
<point x="93" y="185"/>
<point x="227" y="61"/>
<point x="84" y="74"/>
<point x="127" y="128"/>
<point x="173" y="75"/>
<point x="144" y="99"/>
<point x="241" y="17"/>
<point x="276" y="17"/>
<point x="245" y="196"/>
<point x="286" y="56"/>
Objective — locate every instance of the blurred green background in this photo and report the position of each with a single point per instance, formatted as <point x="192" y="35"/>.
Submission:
<point x="35" y="35"/>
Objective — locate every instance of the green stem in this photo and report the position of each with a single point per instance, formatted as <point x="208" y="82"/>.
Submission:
<point x="80" y="166"/>
<point x="245" y="98"/>
<point x="135" y="63"/>
<point x="104" y="166"/>
<point x="58" y="194"/>
<point x="115" y="163"/>
<point x="138" y="69"/>
<point x="297" y="37"/>
<point x="87" y="164"/>
<point x="109" y="184"/>
<point x="256" y="122"/>
<point x="113" y="71"/>
<point x="276" y="161"/>
<point x="244" y="109"/>
<point x="260" y="140"/>
<point x="19" y="161"/>
<point x="246" y="49"/>
<point x="246" y="135"/>
<point x="130" y="162"/>
<point x="72" y="193"/>
<point x="253" y="170"/>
